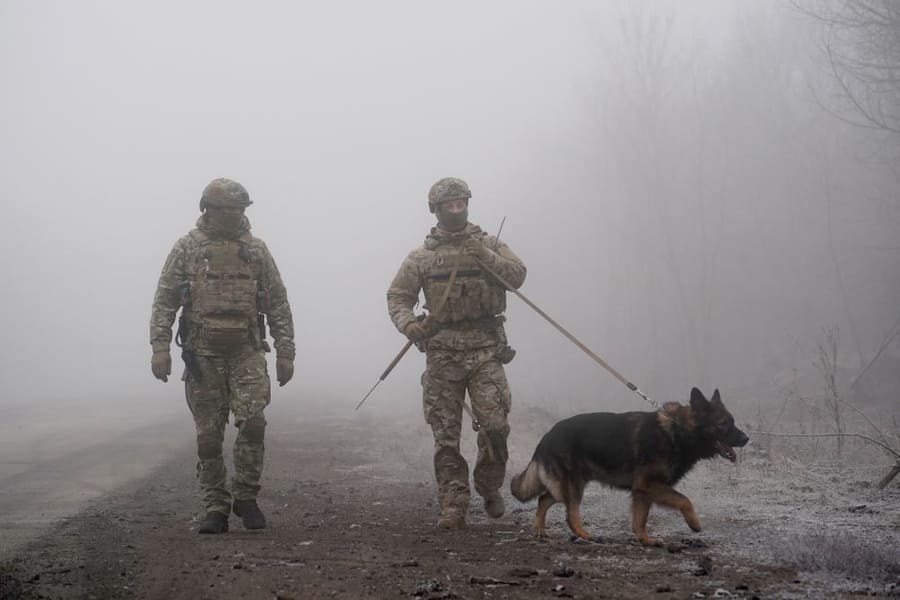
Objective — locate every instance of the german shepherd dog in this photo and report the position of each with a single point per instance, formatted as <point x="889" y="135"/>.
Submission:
<point x="644" y="452"/>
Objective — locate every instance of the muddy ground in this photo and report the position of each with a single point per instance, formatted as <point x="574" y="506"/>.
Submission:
<point x="350" y="501"/>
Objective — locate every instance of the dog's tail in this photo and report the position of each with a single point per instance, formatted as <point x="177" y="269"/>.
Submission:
<point x="527" y="484"/>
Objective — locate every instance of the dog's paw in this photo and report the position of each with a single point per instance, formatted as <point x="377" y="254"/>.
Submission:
<point x="690" y="517"/>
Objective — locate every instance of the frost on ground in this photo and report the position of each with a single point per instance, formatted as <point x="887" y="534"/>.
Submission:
<point x="351" y="505"/>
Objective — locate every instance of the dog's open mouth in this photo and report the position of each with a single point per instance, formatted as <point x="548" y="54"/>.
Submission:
<point x="725" y="451"/>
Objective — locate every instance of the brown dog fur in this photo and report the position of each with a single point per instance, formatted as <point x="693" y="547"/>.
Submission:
<point x="646" y="453"/>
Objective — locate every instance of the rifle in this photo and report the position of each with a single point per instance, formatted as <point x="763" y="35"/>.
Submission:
<point x="188" y="356"/>
<point x="261" y="326"/>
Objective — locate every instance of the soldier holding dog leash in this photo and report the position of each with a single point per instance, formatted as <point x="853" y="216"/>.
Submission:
<point x="464" y="343"/>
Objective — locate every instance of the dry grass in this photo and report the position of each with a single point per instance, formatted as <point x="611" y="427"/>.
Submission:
<point x="839" y="553"/>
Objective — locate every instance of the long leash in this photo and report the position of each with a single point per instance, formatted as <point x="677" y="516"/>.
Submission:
<point x="571" y="337"/>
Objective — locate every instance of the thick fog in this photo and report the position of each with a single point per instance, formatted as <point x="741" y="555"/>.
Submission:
<point x="674" y="175"/>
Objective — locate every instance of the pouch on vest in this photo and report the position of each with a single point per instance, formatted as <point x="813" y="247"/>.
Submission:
<point x="226" y="309"/>
<point x="231" y="295"/>
<point x="505" y="354"/>
<point x="224" y="334"/>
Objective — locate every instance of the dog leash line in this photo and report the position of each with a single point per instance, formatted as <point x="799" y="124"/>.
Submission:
<point x="571" y="337"/>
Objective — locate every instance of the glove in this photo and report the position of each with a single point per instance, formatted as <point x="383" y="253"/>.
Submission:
<point x="419" y="330"/>
<point x="473" y="247"/>
<point x="415" y="331"/>
<point x="284" y="370"/>
<point x="161" y="365"/>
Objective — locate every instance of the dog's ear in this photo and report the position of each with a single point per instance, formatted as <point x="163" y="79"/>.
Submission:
<point x="716" y="398"/>
<point x="699" y="403"/>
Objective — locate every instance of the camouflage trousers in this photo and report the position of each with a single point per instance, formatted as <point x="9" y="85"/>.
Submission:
<point x="448" y="376"/>
<point x="229" y="384"/>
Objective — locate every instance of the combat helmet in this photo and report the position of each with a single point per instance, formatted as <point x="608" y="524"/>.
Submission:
<point x="224" y="193"/>
<point x="448" y="188"/>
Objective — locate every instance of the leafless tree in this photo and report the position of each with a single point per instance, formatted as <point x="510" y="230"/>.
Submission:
<point x="827" y="364"/>
<point x="861" y="45"/>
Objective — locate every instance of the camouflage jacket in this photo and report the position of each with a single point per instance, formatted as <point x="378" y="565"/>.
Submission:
<point x="179" y="274"/>
<point x="472" y="316"/>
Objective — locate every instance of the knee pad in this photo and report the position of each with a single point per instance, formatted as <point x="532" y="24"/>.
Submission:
<point x="496" y="438"/>
<point x="451" y="464"/>
<point x="208" y="447"/>
<point x="254" y="429"/>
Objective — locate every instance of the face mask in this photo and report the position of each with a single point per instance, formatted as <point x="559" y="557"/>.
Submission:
<point x="223" y="221"/>
<point x="452" y="221"/>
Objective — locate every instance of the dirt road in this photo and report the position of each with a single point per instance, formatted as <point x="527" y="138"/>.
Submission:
<point x="350" y="500"/>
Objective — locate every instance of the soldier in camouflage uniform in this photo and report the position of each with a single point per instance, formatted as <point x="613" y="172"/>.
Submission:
<point x="465" y="345"/>
<point x="226" y="283"/>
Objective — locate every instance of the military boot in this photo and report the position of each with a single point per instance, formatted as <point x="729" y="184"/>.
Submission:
<point x="213" y="522"/>
<point x="249" y="512"/>
<point x="493" y="505"/>
<point x="452" y="518"/>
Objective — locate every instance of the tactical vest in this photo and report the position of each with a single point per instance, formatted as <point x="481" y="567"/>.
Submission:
<point x="475" y="296"/>
<point x="223" y="295"/>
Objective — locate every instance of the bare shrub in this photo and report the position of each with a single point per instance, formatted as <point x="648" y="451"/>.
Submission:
<point x="827" y="365"/>
<point x="838" y="553"/>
